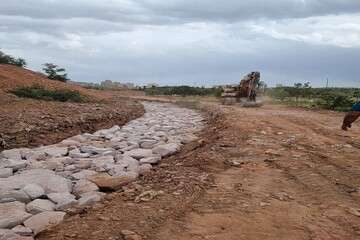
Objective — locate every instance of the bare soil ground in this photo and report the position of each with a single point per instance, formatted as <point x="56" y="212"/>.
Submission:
<point x="266" y="173"/>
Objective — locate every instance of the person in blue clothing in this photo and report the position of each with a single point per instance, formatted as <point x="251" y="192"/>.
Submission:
<point x="351" y="116"/>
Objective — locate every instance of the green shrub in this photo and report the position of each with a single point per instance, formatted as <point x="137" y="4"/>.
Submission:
<point x="279" y="93"/>
<point x="336" y="101"/>
<point x="339" y="99"/>
<point x="38" y="92"/>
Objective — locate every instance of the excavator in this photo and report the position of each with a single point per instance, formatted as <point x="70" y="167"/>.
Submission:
<point x="245" y="93"/>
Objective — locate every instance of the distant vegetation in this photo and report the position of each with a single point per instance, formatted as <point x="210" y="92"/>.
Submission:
<point x="38" y="92"/>
<point x="183" y="91"/>
<point x="54" y="72"/>
<point x="7" y="59"/>
<point x="94" y="87"/>
<point x="303" y="95"/>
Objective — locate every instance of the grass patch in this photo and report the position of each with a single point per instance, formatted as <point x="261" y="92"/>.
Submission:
<point x="39" y="92"/>
<point x="183" y="91"/>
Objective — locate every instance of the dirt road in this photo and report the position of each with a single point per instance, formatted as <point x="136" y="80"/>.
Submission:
<point x="270" y="173"/>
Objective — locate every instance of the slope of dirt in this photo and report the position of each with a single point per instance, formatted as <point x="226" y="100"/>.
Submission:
<point x="269" y="173"/>
<point x="27" y="122"/>
<point x="12" y="77"/>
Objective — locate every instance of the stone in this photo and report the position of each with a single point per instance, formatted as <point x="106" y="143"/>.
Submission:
<point x="118" y="172"/>
<point x="34" y="190"/>
<point x="103" y="161"/>
<point x="148" y="144"/>
<point x="90" y="198"/>
<point x="124" y="165"/>
<point x="130" y="147"/>
<point x="166" y="149"/>
<point x="83" y="186"/>
<point x="188" y="138"/>
<point x="107" y="133"/>
<point x="107" y="153"/>
<point x="64" y="160"/>
<point x="22" y="231"/>
<point x="151" y="160"/>
<point x="53" y="164"/>
<point x="47" y="179"/>
<point x="75" y="153"/>
<point x="54" y="151"/>
<point x="44" y="220"/>
<point x="130" y="235"/>
<point x="34" y="155"/>
<point x="12" y="214"/>
<point x="105" y="182"/>
<point x="14" y="154"/>
<point x="69" y="142"/>
<point x="6" y="234"/>
<point x="83" y="174"/>
<point x="90" y="137"/>
<point x="94" y="150"/>
<point x="13" y="195"/>
<point x="40" y="205"/>
<point x="34" y="164"/>
<point x="139" y="153"/>
<point x="83" y="163"/>
<point x="148" y="195"/>
<point x="65" y="205"/>
<point x="61" y="197"/>
<point x="13" y="164"/>
<point x="118" y="144"/>
<point x="78" y="138"/>
<point x="70" y="168"/>
<point x="6" y="172"/>
<point x="354" y="211"/>
<point x="144" y="168"/>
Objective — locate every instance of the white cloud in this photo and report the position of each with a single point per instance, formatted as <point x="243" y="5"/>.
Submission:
<point x="337" y="30"/>
<point x="187" y="42"/>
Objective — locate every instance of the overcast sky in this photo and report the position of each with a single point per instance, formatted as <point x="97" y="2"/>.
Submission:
<point x="196" y="42"/>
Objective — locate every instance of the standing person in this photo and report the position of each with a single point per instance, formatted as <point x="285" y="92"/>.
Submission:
<point x="351" y="116"/>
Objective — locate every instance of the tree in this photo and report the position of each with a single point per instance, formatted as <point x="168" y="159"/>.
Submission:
<point x="7" y="59"/>
<point x="54" y="72"/>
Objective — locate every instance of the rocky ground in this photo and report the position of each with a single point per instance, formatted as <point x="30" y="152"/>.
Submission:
<point x="38" y="186"/>
<point x="265" y="173"/>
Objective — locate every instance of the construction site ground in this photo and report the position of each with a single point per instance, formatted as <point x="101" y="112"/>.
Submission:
<point x="257" y="173"/>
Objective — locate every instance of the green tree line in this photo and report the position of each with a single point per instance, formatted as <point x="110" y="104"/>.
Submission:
<point x="183" y="91"/>
<point x="340" y="99"/>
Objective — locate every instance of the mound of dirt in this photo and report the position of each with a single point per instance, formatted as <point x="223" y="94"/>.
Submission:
<point x="28" y="122"/>
<point x="12" y="77"/>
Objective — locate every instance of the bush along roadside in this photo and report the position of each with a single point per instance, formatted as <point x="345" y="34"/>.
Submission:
<point x="338" y="99"/>
<point x="39" y="92"/>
